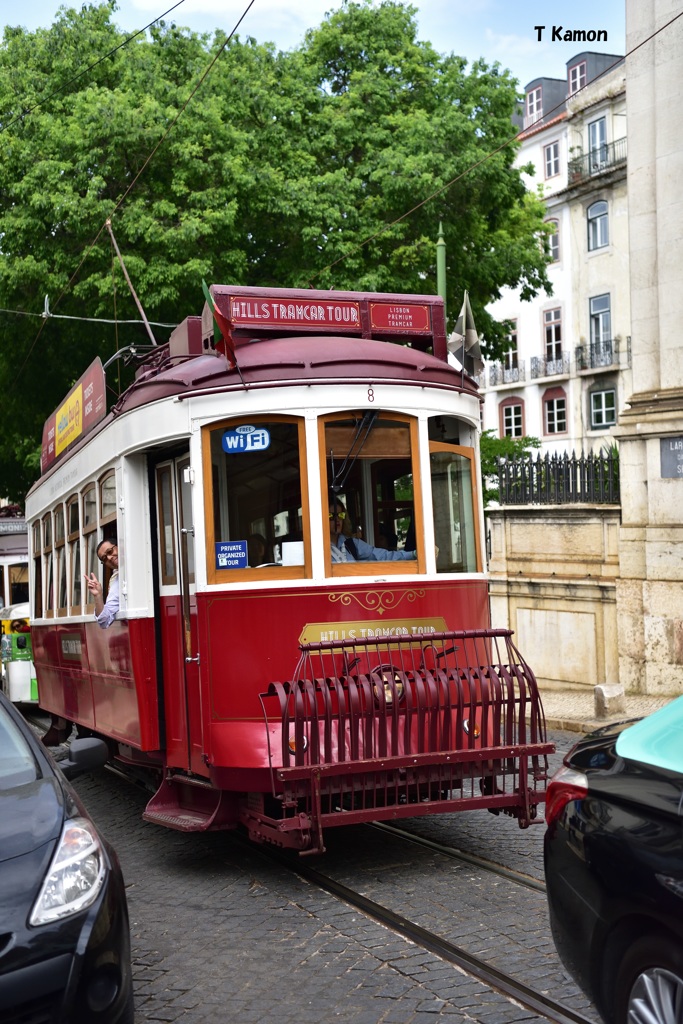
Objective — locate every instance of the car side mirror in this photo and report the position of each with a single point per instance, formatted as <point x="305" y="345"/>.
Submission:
<point x="85" y="755"/>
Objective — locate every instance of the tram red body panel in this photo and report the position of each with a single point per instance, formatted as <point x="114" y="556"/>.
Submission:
<point x="232" y="631"/>
<point x="102" y="679"/>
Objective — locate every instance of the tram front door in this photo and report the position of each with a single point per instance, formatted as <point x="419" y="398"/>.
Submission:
<point x="178" y="614"/>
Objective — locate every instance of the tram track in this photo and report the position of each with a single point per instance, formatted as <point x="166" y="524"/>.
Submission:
<point x="507" y="985"/>
<point x="475" y="966"/>
<point x="453" y="853"/>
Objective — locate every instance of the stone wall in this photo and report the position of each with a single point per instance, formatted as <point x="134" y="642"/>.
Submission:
<point x="553" y="580"/>
<point x="650" y="590"/>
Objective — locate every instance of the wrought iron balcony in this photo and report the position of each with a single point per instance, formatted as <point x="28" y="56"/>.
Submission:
<point x="499" y="374"/>
<point x="549" y="367"/>
<point x="602" y="158"/>
<point x="598" y="355"/>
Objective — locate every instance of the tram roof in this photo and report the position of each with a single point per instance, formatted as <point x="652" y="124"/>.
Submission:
<point x="282" y="362"/>
<point x="281" y="337"/>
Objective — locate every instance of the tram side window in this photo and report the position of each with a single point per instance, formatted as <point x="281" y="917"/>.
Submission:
<point x="169" y="575"/>
<point x="90" y="536"/>
<point x="257" y="504"/>
<point x="60" y="560"/>
<point x="185" y="509"/>
<point x="49" y="566"/>
<point x="370" y="467"/>
<point x="74" y="538"/>
<point x="37" y="549"/>
<point x="18" y="583"/>
<point x="456" y="521"/>
<point x="108" y="516"/>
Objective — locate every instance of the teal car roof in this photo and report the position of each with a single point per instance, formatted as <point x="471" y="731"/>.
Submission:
<point x="656" y="740"/>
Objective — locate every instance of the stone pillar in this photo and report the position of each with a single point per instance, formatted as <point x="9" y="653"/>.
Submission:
<point x="650" y="430"/>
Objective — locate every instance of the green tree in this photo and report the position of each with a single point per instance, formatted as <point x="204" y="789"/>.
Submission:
<point x="493" y="449"/>
<point x="276" y="173"/>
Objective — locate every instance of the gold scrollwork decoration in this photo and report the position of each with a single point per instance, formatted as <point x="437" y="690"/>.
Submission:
<point x="378" y="601"/>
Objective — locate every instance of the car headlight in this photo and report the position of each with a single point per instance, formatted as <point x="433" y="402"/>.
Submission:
<point x="75" y="875"/>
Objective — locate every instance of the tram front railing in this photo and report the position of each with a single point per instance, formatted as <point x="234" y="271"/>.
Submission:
<point x="404" y="726"/>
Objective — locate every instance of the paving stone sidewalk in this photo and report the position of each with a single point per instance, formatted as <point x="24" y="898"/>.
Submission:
<point x="574" y="710"/>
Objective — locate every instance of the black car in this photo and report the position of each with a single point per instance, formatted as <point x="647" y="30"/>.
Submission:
<point x="614" y="867"/>
<point x="64" y="937"/>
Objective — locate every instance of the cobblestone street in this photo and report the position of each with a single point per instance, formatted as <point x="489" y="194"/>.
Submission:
<point x="221" y="934"/>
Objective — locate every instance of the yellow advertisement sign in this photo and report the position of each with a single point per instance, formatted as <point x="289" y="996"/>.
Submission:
<point x="69" y="418"/>
<point x="373" y="630"/>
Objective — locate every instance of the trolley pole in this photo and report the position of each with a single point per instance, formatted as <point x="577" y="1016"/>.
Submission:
<point x="441" y="268"/>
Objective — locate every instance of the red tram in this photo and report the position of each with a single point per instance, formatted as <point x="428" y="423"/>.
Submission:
<point x="303" y="637"/>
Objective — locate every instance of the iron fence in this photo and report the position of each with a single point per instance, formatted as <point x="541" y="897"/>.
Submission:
<point x="560" y="479"/>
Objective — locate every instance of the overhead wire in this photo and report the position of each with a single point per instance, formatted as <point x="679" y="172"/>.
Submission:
<point x="88" y="319"/>
<point x="85" y="71"/>
<point x="144" y="166"/>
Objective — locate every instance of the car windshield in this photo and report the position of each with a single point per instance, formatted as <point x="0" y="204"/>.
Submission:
<point x="17" y="764"/>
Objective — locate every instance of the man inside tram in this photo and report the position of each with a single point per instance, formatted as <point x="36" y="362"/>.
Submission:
<point x="105" y="611"/>
<point x="352" y="549"/>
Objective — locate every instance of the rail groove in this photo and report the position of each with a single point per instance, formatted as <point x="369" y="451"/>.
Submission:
<point x="468" y="858"/>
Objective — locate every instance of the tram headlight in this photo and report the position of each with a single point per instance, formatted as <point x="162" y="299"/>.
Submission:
<point x="292" y="745"/>
<point x="389" y="688"/>
<point x="75" y="876"/>
<point x="474" y="728"/>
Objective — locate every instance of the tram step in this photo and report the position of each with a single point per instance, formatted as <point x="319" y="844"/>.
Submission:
<point x="187" y="808"/>
<point x="182" y="820"/>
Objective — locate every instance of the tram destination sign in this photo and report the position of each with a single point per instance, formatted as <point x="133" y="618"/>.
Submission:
<point x="322" y="312"/>
<point x="12" y="526"/>
<point x="84" y="406"/>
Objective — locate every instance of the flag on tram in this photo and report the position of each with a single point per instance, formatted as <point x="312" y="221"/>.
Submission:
<point x="464" y="341"/>
<point x="222" y="326"/>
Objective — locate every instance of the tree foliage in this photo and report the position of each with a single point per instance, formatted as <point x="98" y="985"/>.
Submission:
<point x="277" y="172"/>
<point x="492" y="449"/>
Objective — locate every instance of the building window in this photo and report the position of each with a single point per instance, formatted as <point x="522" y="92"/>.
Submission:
<point x="512" y="418"/>
<point x="597" y="144"/>
<point x="598" y="225"/>
<point x="577" y="77"/>
<point x="551" y="155"/>
<point x="552" y="322"/>
<point x="554" y="240"/>
<point x="600" y="321"/>
<point x="555" y="411"/>
<point x="534" y="106"/>
<point x="511" y="357"/>
<point x="603" y="408"/>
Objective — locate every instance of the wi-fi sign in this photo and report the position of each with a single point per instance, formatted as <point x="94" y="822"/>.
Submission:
<point x="246" y="438"/>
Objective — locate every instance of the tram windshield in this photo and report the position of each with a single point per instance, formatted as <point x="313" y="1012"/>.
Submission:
<point x="369" y="463"/>
<point x="258" y="510"/>
<point x="257" y="496"/>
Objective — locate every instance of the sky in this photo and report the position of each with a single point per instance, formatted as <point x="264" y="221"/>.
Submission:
<point x="497" y="30"/>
